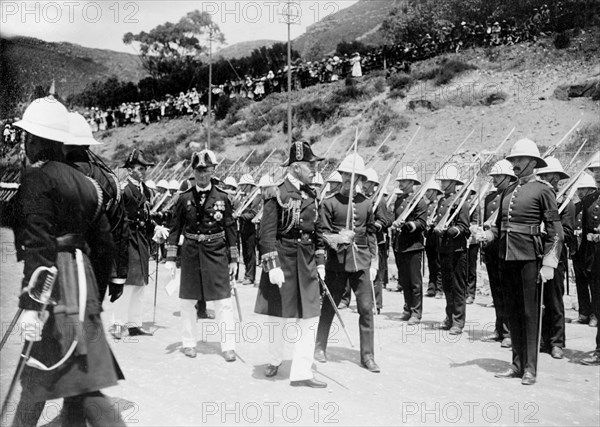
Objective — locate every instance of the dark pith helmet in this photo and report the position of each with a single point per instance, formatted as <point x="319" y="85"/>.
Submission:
<point x="137" y="158"/>
<point x="301" y="151"/>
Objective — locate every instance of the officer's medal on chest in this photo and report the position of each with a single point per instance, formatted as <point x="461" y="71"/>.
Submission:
<point x="219" y="208"/>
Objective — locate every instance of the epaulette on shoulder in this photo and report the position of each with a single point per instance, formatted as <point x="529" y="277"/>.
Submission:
<point x="219" y="189"/>
<point x="270" y="192"/>
<point x="543" y="181"/>
<point x="360" y="197"/>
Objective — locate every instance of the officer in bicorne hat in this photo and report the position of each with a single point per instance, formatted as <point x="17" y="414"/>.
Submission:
<point x="136" y="195"/>
<point x="203" y="214"/>
<point x="292" y="252"/>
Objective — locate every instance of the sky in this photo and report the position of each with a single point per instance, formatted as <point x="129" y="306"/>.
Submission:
<point x="102" y="24"/>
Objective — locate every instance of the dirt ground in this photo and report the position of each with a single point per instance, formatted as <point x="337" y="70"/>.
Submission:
<point x="428" y="377"/>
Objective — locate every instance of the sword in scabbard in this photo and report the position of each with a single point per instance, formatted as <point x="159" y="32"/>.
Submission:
<point x="234" y="292"/>
<point x="337" y="312"/>
<point x="44" y="297"/>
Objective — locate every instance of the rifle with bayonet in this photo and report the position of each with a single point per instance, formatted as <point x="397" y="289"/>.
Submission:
<point x="416" y="198"/>
<point x="381" y="189"/>
<point x="465" y="190"/>
<point x="553" y="148"/>
<point x="378" y="148"/>
<point x="494" y="216"/>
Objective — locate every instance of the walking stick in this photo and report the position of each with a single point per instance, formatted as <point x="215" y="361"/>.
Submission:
<point x="155" y="283"/>
<point x="337" y="312"/>
<point x="11" y="327"/>
<point x="539" y="337"/>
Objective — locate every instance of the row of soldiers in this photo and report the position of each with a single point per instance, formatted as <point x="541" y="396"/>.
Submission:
<point x="450" y="251"/>
<point x="309" y="247"/>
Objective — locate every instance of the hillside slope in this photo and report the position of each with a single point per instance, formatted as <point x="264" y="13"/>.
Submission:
<point x="239" y="50"/>
<point x="354" y="22"/>
<point x="522" y="78"/>
<point x="71" y="66"/>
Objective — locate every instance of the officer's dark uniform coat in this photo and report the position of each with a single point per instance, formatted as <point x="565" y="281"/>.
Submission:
<point x="114" y="207"/>
<point x="60" y="212"/>
<point x="138" y="219"/>
<point x="204" y="264"/>
<point x="290" y="237"/>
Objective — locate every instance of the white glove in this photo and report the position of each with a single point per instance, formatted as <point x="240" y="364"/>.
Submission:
<point x="346" y="236"/>
<point x="482" y="235"/>
<point x="547" y="273"/>
<point x="32" y="323"/>
<point x="171" y="268"/>
<point x="276" y="276"/>
<point x="321" y="271"/>
<point x="373" y="273"/>
<point x="161" y="234"/>
<point x="233" y="268"/>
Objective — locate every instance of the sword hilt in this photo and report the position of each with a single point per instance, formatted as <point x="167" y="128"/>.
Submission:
<point x="43" y="296"/>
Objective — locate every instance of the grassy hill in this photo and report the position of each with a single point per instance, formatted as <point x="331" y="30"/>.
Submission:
<point x="37" y="62"/>
<point x="508" y="87"/>
<point x="359" y="21"/>
<point x="239" y="50"/>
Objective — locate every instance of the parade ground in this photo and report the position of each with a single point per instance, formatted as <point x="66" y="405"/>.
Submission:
<point x="428" y="377"/>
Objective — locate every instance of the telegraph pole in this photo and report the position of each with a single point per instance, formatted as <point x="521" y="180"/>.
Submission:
<point x="288" y="17"/>
<point x="210" y="40"/>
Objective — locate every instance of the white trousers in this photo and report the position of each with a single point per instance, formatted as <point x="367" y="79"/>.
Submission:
<point x="224" y="322"/>
<point x="128" y="308"/>
<point x="301" y="334"/>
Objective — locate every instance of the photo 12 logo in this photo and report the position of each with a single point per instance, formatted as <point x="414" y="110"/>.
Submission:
<point x="268" y="11"/>
<point x="62" y="12"/>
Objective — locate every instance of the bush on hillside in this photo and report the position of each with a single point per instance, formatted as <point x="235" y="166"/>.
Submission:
<point x="397" y="94"/>
<point x="332" y="131"/>
<point x="228" y="108"/>
<point x="350" y="92"/>
<point x="315" y="111"/>
<point x="385" y="120"/>
<point x="379" y="85"/>
<point x="449" y="69"/>
<point x="444" y="72"/>
<point x="400" y="81"/>
<point x="258" y="138"/>
<point x="562" y="40"/>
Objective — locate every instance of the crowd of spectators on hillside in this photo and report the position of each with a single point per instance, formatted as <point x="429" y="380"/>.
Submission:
<point x="392" y="58"/>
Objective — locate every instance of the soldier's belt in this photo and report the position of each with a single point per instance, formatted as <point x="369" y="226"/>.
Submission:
<point x="70" y="242"/>
<point x="205" y="237"/>
<point x="514" y="227"/>
<point x="591" y="237"/>
<point x="303" y="237"/>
